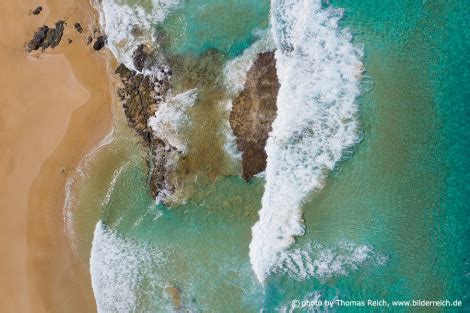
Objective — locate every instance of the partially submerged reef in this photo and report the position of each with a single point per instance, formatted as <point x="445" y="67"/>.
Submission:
<point x="253" y="112"/>
<point x="141" y="95"/>
<point x="178" y="86"/>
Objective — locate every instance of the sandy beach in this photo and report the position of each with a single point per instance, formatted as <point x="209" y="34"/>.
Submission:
<point x="55" y="107"/>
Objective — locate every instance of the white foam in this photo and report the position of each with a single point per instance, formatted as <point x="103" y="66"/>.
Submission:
<point x="230" y="145"/>
<point x="118" y="267"/>
<point x="316" y="260"/>
<point x="112" y="184"/>
<point x="71" y="183"/>
<point x="85" y="161"/>
<point x="68" y="212"/>
<point x="235" y="70"/>
<point x="170" y="117"/>
<point x="319" y="70"/>
<point x="127" y="26"/>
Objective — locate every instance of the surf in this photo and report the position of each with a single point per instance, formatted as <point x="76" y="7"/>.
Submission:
<point x="319" y="70"/>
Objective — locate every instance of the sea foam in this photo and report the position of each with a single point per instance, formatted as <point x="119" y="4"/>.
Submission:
<point x="323" y="262"/>
<point x="319" y="71"/>
<point x="235" y="70"/>
<point x="118" y="269"/>
<point x="129" y="25"/>
<point x="171" y="117"/>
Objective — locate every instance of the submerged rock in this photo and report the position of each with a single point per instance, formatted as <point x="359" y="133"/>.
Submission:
<point x="175" y="295"/>
<point x="253" y="112"/>
<point x="46" y="37"/>
<point x="99" y="43"/>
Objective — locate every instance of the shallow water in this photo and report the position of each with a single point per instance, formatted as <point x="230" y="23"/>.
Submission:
<point x="390" y="222"/>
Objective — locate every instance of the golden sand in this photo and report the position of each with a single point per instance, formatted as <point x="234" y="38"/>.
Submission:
<point x="54" y="107"/>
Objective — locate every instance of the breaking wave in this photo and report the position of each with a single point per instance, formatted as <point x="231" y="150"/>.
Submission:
<point x="318" y="261"/>
<point x="235" y="70"/>
<point x="119" y="268"/>
<point x="170" y="117"/>
<point x="319" y="71"/>
<point x="129" y="25"/>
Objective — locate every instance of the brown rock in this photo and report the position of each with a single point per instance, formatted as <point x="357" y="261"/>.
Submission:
<point x="253" y="112"/>
<point x="139" y="96"/>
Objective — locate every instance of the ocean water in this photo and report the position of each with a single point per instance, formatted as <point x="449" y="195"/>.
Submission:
<point x="370" y="178"/>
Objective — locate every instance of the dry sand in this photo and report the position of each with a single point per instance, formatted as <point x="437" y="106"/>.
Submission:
<point x="53" y="109"/>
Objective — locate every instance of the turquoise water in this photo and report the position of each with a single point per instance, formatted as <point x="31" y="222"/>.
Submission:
<point x="229" y="26"/>
<point x="402" y="191"/>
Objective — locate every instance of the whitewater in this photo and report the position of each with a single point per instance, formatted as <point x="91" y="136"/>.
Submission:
<point x="319" y="70"/>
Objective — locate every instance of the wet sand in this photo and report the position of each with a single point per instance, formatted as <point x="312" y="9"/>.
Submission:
<point x="55" y="107"/>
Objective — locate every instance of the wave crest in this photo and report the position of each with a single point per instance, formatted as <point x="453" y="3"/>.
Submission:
<point x="319" y="71"/>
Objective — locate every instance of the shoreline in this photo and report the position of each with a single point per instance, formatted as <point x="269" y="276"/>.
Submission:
<point x="58" y="109"/>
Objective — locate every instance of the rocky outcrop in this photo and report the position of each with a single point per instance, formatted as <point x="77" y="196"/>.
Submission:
<point x="46" y="37"/>
<point x="253" y="112"/>
<point x="141" y="95"/>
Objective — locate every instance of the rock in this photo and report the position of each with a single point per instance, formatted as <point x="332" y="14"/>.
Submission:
<point x="89" y="40"/>
<point x="78" y="27"/>
<point x="253" y="112"/>
<point x="69" y="41"/>
<point x="38" y="38"/>
<point x="139" y="57"/>
<point x="99" y="43"/>
<point x="46" y="37"/>
<point x="37" y="11"/>
<point x="140" y="102"/>
<point x="163" y="165"/>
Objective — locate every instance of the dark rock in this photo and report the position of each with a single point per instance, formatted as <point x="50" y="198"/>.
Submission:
<point x="46" y="37"/>
<point x="38" y="38"/>
<point x="89" y="40"/>
<point x="124" y="72"/>
<point x="78" y="27"/>
<point x="37" y="11"/>
<point x="139" y="57"/>
<point x="69" y="41"/>
<point x="138" y="96"/>
<point x="99" y="43"/>
<point x="253" y="112"/>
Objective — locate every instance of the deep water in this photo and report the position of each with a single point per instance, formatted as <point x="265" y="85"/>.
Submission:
<point x="402" y="192"/>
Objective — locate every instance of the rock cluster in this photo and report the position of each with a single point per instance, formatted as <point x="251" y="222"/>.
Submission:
<point x="46" y="37"/>
<point x="253" y="112"/>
